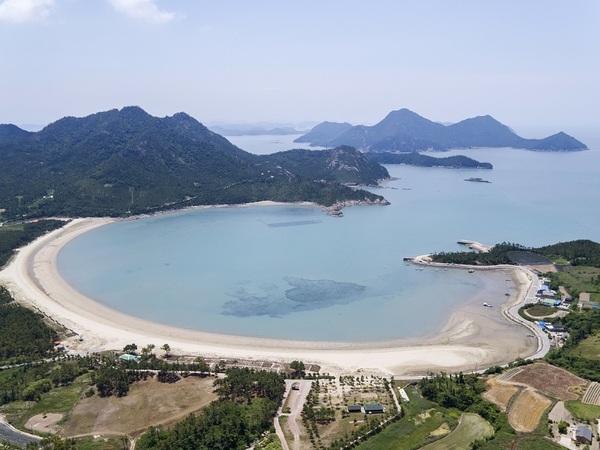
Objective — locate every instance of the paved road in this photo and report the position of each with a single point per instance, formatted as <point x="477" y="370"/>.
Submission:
<point x="296" y="399"/>
<point x="512" y="313"/>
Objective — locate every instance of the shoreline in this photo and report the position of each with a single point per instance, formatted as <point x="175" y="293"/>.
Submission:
<point x="467" y="342"/>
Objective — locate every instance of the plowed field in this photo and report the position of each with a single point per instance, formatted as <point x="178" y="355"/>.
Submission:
<point x="526" y="412"/>
<point x="499" y="393"/>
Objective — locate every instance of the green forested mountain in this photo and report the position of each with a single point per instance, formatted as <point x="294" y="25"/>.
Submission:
<point x="126" y="161"/>
<point x="323" y="133"/>
<point x="342" y="164"/>
<point x="406" y="131"/>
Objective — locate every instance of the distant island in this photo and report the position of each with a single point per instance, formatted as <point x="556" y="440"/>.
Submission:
<point x="477" y="180"/>
<point x="406" y="131"/>
<point x="418" y="159"/>
<point x="127" y="162"/>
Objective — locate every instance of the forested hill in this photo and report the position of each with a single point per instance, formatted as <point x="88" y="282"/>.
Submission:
<point x="406" y="131"/>
<point x="341" y="164"/>
<point x="418" y="159"/>
<point x="126" y="161"/>
<point x="582" y="252"/>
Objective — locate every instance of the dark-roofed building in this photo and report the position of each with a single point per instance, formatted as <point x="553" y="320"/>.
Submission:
<point x="374" y="408"/>
<point x="583" y="435"/>
<point x="354" y="408"/>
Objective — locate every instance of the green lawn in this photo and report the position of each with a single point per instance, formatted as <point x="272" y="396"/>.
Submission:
<point x="540" y="311"/>
<point x="472" y="427"/>
<point x="583" y="411"/>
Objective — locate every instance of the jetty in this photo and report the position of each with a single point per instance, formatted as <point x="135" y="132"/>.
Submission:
<point x="474" y="245"/>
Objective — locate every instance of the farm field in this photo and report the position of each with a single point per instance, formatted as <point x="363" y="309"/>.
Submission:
<point x="550" y="380"/>
<point x="592" y="395"/>
<point x="499" y="393"/>
<point x="470" y="428"/>
<point x="527" y="410"/>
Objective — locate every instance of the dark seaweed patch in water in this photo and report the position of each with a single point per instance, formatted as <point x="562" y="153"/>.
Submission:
<point x="305" y="295"/>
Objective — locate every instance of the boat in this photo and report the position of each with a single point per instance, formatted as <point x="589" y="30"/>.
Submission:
<point x="471" y="270"/>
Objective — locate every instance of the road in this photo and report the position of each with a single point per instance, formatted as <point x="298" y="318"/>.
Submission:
<point x="512" y="314"/>
<point x="295" y="401"/>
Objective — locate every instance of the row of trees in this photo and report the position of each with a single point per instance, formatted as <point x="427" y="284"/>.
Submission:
<point x="24" y="336"/>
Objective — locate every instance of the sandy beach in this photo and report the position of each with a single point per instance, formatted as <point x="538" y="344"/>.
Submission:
<point x="474" y="338"/>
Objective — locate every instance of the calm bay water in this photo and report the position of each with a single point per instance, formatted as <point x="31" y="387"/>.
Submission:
<point x="292" y="272"/>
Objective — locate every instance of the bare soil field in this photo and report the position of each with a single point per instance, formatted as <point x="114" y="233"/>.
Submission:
<point x="527" y="410"/>
<point x="499" y="393"/>
<point x="550" y="380"/>
<point x="147" y="403"/>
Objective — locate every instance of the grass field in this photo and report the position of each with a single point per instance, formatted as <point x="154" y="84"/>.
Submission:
<point x="550" y="380"/>
<point x="58" y="400"/>
<point x="471" y="428"/>
<point x="583" y="411"/>
<point x="579" y="279"/>
<point x="527" y="410"/>
<point x="589" y="348"/>
<point x="499" y="393"/>
<point x="540" y="311"/>
<point x="147" y="403"/>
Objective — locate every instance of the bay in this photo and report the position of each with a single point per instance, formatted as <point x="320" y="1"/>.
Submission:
<point x="292" y="272"/>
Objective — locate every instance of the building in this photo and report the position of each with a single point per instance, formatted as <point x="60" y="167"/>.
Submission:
<point x="374" y="408"/>
<point x="354" y="408"/>
<point x="583" y="435"/>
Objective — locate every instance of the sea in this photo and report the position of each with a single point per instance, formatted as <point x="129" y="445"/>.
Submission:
<point x="292" y="272"/>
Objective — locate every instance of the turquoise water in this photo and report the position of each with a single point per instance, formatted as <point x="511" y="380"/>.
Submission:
<point x="292" y="272"/>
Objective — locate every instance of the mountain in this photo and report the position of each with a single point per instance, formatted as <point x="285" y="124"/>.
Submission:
<point x="10" y="133"/>
<point x="122" y="162"/>
<point x="406" y="131"/>
<point x="342" y="164"/>
<point x="323" y="133"/>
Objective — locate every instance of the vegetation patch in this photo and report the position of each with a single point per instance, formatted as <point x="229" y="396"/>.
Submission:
<point x="527" y="410"/>
<point x="582" y="411"/>
<point x="471" y="428"/>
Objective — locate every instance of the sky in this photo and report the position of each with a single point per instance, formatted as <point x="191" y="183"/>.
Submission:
<point x="533" y="65"/>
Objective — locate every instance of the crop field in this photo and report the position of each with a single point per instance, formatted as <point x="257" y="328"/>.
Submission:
<point x="550" y="380"/>
<point x="499" y="393"/>
<point x="471" y="427"/>
<point x="527" y="410"/>
<point x="592" y="395"/>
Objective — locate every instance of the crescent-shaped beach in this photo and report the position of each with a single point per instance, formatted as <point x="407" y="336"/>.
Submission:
<point x="474" y="337"/>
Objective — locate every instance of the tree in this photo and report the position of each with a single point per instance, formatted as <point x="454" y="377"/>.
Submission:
<point x="167" y="349"/>
<point x="130" y="348"/>
<point x="562" y="427"/>
<point x="297" y="368"/>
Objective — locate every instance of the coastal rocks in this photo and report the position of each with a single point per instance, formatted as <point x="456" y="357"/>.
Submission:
<point x="336" y="209"/>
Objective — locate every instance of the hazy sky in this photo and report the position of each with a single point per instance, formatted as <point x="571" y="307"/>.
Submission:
<point x="533" y="65"/>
